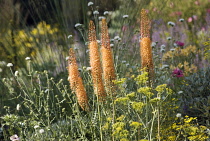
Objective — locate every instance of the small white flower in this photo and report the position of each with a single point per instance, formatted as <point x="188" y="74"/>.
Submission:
<point x="9" y="65"/>
<point x="180" y="92"/>
<point x="116" y="37"/>
<point x="101" y="17"/>
<point x="69" y="36"/>
<point x="16" y="73"/>
<point x="111" y="40"/>
<point x="127" y="64"/>
<point x="178" y="115"/>
<point x="181" y="20"/>
<point x="175" y="44"/>
<point x="162" y="50"/>
<point x="125" y="16"/>
<point x="106" y="13"/>
<point x="162" y="46"/>
<point x="172" y="49"/>
<point x="87" y="50"/>
<point x="168" y="38"/>
<point x="90" y="3"/>
<point x="171" y="23"/>
<point x="1" y="70"/>
<point x="18" y="107"/>
<point x="36" y="126"/>
<point x="27" y="58"/>
<point x="88" y="68"/>
<point x="95" y="12"/>
<point x="153" y="44"/>
<point x="78" y="25"/>
<point x="67" y="58"/>
<point x="111" y="45"/>
<point x="14" y="138"/>
<point x="123" y="61"/>
<point x="165" y="66"/>
<point x="41" y="131"/>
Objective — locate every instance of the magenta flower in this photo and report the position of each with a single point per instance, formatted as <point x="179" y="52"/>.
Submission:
<point x="177" y="73"/>
<point x="181" y="44"/>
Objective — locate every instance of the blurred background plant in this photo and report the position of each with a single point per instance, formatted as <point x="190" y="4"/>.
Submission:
<point x="36" y="101"/>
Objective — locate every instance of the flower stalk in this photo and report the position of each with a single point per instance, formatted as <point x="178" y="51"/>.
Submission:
<point x="96" y="70"/>
<point x="76" y="82"/>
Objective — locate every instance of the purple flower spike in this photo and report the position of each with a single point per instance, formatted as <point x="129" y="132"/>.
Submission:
<point x="181" y="44"/>
<point x="177" y="73"/>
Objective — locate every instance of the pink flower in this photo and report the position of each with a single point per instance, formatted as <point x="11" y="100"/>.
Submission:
<point x="177" y="73"/>
<point x="208" y="10"/>
<point x="190" y="19"/>
<point x="181" y="44"/>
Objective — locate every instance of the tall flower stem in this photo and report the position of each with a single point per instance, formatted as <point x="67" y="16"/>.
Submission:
<point x="96" y="70"/>
<point x="107" y="59"/>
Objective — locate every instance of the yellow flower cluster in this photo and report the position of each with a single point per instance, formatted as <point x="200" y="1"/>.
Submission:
<point x="118" y="130"/>
<point x="135" y="124"/>
<point x="122" y="100"/>
<point x="180" y="52"/>
<point x="138" y="106"/>
<point x="146" y="91"/>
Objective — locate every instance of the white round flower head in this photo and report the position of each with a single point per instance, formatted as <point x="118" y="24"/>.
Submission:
<point x="172" y="49"/>
<point x="41" y="131"/>
<point x="88" y="68"/>
<point x="95" y="12"/>
<point x="111" y="40"/>
<point x="76" y="48"/>
<point x="1" y="70"/>
<point x="106" y="13"/>
<point x="175" y="44"/>
<point x="101" y="17"/>
<point x="127" y="64"/>
<point x="162" y="46"/>
<point x="87" y="50"/>
<point x="69" y="36"/>
<point x="125" y="16"/>
<point x="124" y="61"/>
<point x="165" y="66"/>
<point x="178" y="115"/>
<point x="16" y="73"/>
<point x="78" y="25"/>
<point x="180" y="92"/>
<point x="153" y="44"/>
<point x="162" y="50"/>
<point x="181" y="20"/>
<point x="116" y="37"/>
<point x="90" y="3"/>
<point x="27" y="58"/>
<point x="168" y="38"/>
<point x="67" y="58"/>
<point x="171" y="23"/>
<point x="9" y="65"/>
<point x="18" y="107"/>
<point x="111" y="45"/>
<point x="36" y="126"/>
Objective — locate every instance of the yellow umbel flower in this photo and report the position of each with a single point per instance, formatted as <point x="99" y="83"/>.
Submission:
<point x="107" y="58"/>
<point x="95" y="63"/>
<point x="76" y="82"/>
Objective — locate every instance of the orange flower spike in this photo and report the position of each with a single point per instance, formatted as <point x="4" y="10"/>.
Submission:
<point x="82" y="96"/>
<point x="145" y="44"/>
<point x="73" y="70"/>
<point x="76" y="82"/>
<point x="107" y="58"/>
<point x="95" y="63"/>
